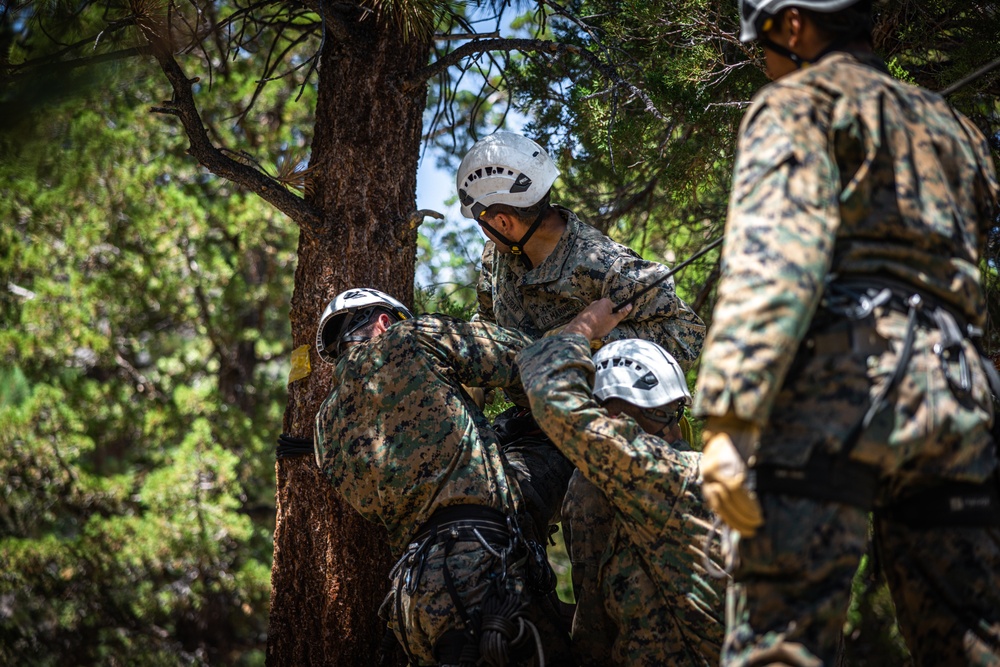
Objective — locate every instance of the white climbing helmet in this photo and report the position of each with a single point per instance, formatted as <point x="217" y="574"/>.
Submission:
<point x="348" y="312"/>
<point x="639" y="372"/>
<point x="755" y="13"/>
<point x="504" y="168"/>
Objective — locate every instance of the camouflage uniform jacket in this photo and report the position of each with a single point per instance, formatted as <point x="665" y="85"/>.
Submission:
<point x="841" y="170"/>
<point x="397" y="435"/>
<point x="585" y="266"/>
<point x="654" y="487"/>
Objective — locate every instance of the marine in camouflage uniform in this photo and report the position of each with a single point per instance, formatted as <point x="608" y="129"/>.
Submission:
<point x="542" y="266"/>
<point x="405" y="446"/>
<point x="664" y="607"/>
<point x="585" y="266"/>
<point x="858" y="203"/>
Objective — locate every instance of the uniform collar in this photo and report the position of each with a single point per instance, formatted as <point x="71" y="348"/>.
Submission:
<point x="551" y="268"/>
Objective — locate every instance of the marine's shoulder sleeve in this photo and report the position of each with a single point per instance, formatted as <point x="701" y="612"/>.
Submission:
<point x="987" y="187"/>
<point x="476" y="354"/>
<point x="659" y="315"/>
<point x="780" y="231"/>
<point x="640" y="474"/>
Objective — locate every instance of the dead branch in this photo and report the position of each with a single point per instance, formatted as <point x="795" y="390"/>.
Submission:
<point x="216" y="161"/>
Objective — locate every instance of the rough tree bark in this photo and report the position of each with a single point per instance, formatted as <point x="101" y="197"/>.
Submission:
<point x="358" y="228"/>
<point x="330" y="567"/>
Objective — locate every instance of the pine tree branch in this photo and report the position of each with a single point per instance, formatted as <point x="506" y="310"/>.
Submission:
<point x="216" y="161"/>
<point x="546" y="47"/>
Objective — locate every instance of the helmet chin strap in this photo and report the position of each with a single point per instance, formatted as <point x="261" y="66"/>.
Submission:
<point x="517" y="247"/>
<point x="799" y="61"/>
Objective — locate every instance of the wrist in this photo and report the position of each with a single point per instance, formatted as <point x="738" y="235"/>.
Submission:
<point x="742" y="435"/>
<point x="580" y="328"/>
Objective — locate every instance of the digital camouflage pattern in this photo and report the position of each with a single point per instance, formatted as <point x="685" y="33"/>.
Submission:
<point x="584" y="267"/>
<point x="843" y="171"/>
<point x="647" y="621"/>
<point x="400" y="439"/>
<point x="661" y="522"/>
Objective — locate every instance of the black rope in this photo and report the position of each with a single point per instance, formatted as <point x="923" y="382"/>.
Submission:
<point x="505" y="626"/>
<point x="289" y="445"/>
<point x="666" y="275"/>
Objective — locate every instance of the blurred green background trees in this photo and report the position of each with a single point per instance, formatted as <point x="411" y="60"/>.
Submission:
<point x="144" y="351"/>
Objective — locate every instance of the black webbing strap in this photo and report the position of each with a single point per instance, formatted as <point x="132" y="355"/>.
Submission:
<point x="954" y="504"/>
<point x="517" y="247"/>
<point x="290" y="445"/>
<point x="826" y="477"/>
<point x="459" y="521"/>
<point x="401" y="622"/>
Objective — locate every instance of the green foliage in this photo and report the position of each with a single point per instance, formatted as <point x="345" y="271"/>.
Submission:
<point x="143" y="355"/>
<point x="449" y="255"/>
<point x="871" y="636"/>
<point x="559" y="559"/>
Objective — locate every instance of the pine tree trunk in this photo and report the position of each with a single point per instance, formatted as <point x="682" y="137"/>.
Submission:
<point x="331" y="567"/>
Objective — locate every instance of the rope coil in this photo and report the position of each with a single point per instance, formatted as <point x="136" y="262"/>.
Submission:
<point x="505" y="627"/>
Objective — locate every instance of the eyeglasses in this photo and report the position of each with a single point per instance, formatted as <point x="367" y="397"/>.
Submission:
<point x="666" y="417"/>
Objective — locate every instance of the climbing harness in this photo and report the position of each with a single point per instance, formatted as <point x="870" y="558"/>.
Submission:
<point x="501" y="626"/>
<point x="851" y="304"/>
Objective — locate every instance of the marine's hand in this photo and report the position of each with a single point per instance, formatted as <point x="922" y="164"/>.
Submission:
<point x="597" y="320"/>
<point x="724" y="473"/>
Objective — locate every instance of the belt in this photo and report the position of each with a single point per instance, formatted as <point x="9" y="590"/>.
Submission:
<point x="827" y="477"/>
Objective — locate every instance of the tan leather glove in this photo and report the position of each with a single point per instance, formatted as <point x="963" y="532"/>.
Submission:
<point x="724" y="472"/>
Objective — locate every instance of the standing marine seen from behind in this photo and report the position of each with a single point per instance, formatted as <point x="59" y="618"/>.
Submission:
<point x="841" y="374"/>
<point x="616" y="417"/>
<point x="407" y="447"/>
<point x="540" y="267"/>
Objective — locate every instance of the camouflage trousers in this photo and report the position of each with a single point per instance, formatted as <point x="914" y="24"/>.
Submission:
<point x="652" y="628"/>
<point x="421" y="611"/>
<point x="587" y="520"/>
<point x="793" y="586"/>
<point x="793" y="582"/>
